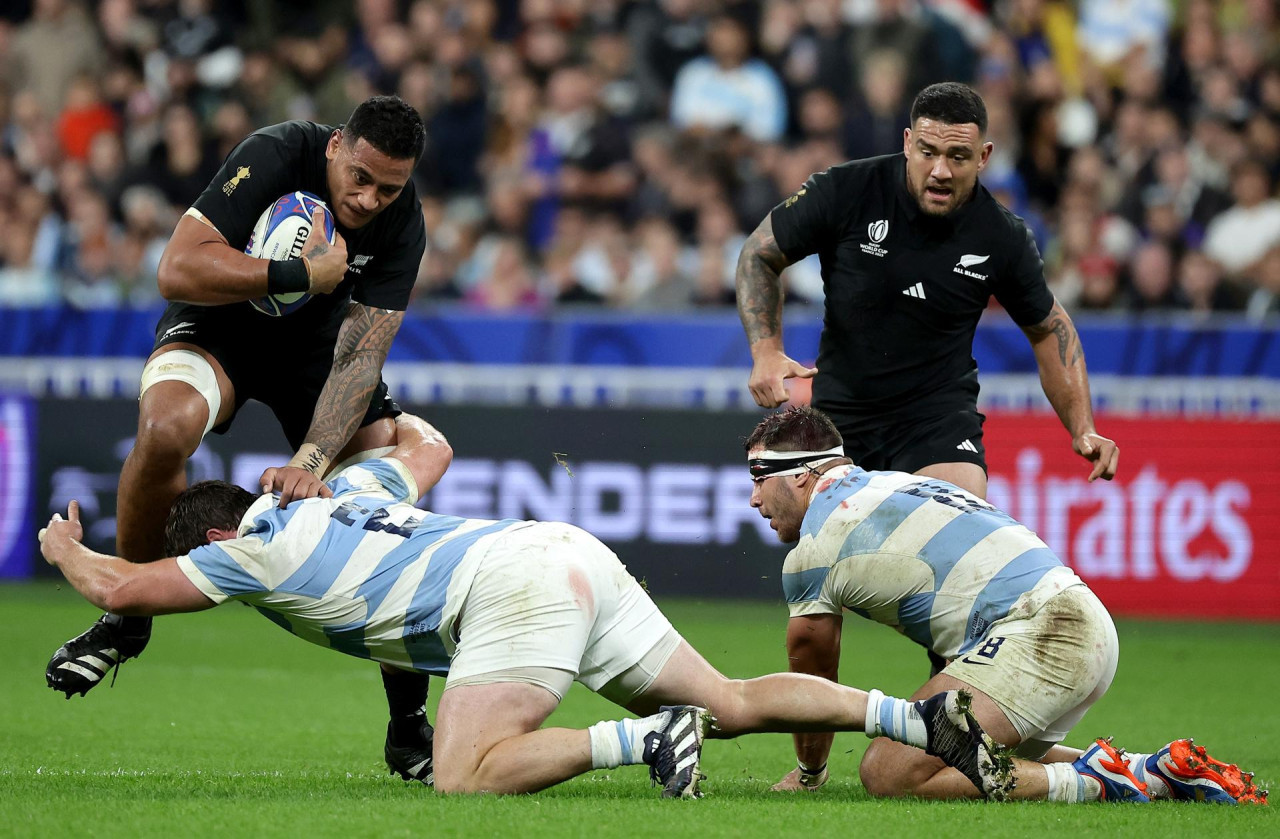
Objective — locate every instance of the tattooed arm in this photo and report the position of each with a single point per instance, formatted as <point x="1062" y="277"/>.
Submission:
<point x="1065" y="380"/>
<point x="363" y="343"/>
<point x="759" y="282"/>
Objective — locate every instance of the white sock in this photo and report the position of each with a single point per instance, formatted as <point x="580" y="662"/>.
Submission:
<point x="897" y="719"/>
<point x="1069" y="786"/>
<point x="621" y="742"/>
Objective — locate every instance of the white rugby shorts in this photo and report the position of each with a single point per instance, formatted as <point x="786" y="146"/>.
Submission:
<point x="1045" y="667"/>
<point x="551" y="595"/>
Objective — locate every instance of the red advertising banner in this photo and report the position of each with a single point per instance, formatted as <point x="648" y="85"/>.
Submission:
<point x="1188" y="527"/>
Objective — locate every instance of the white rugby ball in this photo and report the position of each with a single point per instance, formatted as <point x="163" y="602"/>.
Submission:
<point x="280" y="233"/>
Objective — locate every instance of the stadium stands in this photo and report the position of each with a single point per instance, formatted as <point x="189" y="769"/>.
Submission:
<point x="574" y="156"/>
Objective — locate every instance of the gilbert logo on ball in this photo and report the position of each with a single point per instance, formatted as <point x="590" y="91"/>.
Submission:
<point x="280" y="233"/>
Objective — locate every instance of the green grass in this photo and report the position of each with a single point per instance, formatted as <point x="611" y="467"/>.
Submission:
<point x="228" y="726"/>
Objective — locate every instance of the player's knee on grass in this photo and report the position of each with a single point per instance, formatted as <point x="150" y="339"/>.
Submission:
<point x="890" y="769"/>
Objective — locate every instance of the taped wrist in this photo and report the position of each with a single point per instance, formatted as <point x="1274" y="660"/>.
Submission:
<point x="288" y="276"/>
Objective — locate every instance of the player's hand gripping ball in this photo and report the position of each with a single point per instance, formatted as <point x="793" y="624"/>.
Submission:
<point x="280" y="233"/>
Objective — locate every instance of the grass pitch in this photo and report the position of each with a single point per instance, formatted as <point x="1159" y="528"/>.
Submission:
<point x="228" y="726"/>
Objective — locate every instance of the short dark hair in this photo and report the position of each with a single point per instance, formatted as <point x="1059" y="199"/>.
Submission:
<point x="200" y="507"/>
<point x="797" y="429"/>
<point x="390" y="125"/>
<point x="950" y="102"/>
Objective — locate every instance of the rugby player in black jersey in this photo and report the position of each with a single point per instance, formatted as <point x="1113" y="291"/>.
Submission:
<point x="319" y="367"/>
<point x="912" y="248"/>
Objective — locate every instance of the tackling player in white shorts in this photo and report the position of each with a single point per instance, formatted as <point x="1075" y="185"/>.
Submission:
<point x="1019" y="630"/>
<point x="511" y="611"/>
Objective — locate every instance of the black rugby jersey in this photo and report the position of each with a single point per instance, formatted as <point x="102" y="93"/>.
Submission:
<point x="382" y="256"/>
<point x="904" y="290"/>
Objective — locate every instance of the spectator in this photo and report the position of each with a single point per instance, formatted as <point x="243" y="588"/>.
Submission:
<point x="88" y="261"/>
<point x="1200" y="285"/>
<point x="874" y="126"/>
<point x="621" y="93"/>
<point x="148" y="220"/>
<point x="180" y="165"/>
<point x="1126" y="146"/>
<point x="84" y="118"/>
<point x="657" y="279"/>
<point x="57" y="44"/>
<point x="667" y="35"/>
<point x="728" y="88"/>
<point x="820" y="54"/>
<point x="592" y="149"/>
<point x="508" y="282"/>
<point x="1151" y="278"/>
<point x="719" y="242"/>
<point x="456" y="135"/>
<point x="900" y="26"/>
<point x="1264" y="302"/>
<point x="1112" y="32"/>
<point x="1239" y="237"/>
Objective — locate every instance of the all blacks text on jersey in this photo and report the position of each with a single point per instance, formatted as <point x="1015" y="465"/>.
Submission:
<point x="969" y="260"/>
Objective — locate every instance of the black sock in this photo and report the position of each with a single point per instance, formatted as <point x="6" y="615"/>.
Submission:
<point x="406" y="700"/>
<point x="130" y="625"/>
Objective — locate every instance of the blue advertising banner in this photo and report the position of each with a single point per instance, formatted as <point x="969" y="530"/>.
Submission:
<point x="1116" y="344"/>
<point x="17" y="486"/>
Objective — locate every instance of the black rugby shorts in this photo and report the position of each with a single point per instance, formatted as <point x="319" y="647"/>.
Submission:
<point x="951" y="437"/>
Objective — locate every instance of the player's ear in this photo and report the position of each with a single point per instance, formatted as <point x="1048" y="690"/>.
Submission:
<point x="331" y="148"/>
<point x="215" y="534"/>
<point x="906" y="141"/>
<point x="986" y="155"/>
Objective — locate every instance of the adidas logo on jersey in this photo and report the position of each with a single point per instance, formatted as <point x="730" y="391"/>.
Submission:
<point x="916" y="290"/>
<point x="968" y="446"/>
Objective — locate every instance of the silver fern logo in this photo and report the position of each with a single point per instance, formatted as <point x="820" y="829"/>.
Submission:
<point x="969" y="260"/>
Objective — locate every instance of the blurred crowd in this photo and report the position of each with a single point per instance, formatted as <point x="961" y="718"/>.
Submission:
<point x="616" y="153"/>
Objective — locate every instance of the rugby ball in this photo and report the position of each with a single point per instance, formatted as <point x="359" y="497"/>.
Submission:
<point x="280" y="233"/>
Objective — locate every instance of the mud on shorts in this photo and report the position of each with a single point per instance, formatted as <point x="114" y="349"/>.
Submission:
<point x="548" y="604"/>
<point x="1046" y="666"/>
<point x="278" y="369"/>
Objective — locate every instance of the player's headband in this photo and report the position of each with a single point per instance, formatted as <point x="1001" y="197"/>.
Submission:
<point x="768" y="463"/>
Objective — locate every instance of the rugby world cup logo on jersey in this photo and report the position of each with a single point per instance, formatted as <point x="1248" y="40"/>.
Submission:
<point x="969" y="260"/>
<point x="876" y="232"/>
<point x="229" y="187"/>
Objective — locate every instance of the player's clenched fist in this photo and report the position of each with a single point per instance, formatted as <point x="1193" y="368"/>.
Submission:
<point x="768" y="374"/>
<point x="327" y="262"/>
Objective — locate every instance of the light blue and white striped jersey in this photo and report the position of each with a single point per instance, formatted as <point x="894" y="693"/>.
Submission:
<point x="920" y="555"/>
<point x="364" y="572"/>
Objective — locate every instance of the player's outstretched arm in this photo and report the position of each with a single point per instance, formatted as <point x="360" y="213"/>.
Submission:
<point x="423" y="449"/>
<point x="111" y="583"/>
<point x="759" y="286"/>
<point x="363" y="343"/>
<point x="1065" y="379"/>
<point x="813" y="647"/>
